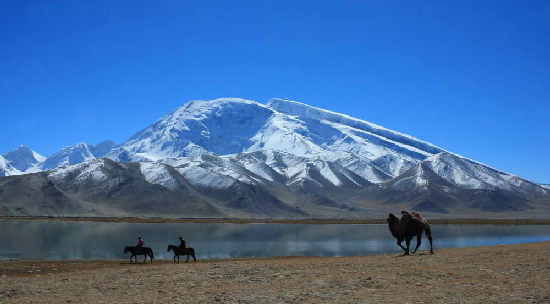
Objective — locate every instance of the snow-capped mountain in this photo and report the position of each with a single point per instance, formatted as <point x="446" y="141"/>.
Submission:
<point x="230" y="125"/>
<point x="24" y="159"/>
<point x="77" y="154"/>
<point x="69" y="156"/>
<point x="462" y="173"/>
<point x="468" y="174"/>
<point x="6" y="169"/>
<point x="237" y="157"/>
<point x="445" y="181"/>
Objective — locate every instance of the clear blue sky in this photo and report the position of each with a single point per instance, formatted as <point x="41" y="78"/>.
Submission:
<point x="470" y="76"/>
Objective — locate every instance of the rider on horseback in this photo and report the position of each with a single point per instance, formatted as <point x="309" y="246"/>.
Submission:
<point x="182" y="243"/>
<point x="140" y="242"/>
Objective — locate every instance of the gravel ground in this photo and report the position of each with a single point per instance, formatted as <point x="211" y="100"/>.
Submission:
<point x="499" y="274"/>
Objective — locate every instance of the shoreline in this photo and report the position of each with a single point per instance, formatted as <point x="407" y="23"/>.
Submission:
<point x="436" y="221"/>
<point x="491" y="274"/>
<point x="44" y="266"/>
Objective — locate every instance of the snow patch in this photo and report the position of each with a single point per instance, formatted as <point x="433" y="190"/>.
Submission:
<point x="158" y="174"/>
<point x="91" y="171"/>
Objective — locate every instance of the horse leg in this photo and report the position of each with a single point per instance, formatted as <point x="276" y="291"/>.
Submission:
<point x="429" y="234"/>
<point x="194" y="258"/>
<point x="418" y="241"/>
<point x="187" y="260"/>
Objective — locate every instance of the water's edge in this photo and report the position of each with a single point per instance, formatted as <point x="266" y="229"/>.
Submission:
<point x="88" y="240"/>
<point x="437" y="221"/>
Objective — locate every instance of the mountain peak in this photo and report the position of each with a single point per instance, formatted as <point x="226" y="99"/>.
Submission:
<point x="23" y="158"/>
<point x="69" y="155"/>
<point x="195" y="108"/>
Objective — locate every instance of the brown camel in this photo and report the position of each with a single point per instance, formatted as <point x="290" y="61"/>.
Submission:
<point x="406" y="228"/>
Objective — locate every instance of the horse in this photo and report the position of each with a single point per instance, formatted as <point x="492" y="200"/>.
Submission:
<point x="406" y="228"/>
<point x="138" y="250"/>
<point x="188" y="251"/>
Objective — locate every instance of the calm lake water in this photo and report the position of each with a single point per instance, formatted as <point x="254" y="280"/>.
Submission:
<point x="94" y="240"/>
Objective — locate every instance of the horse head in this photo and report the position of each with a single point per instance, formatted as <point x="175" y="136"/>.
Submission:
<point x="126" y="249"/>
<point x="170" y="247"/>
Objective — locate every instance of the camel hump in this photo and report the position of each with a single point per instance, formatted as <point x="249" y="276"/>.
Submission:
<point x="419" y="217"/>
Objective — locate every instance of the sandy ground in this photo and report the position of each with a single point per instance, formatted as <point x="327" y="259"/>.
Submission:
<point x="499" y="274"/>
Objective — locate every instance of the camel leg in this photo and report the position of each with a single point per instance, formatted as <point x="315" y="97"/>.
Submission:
<point x="399" y="244"/>
<point x="408" y="245"/>
<point x="429" y="233"/>
<point x="418" y="241"/>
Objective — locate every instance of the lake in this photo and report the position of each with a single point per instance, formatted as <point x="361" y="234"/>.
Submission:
<point x="100" y="240"/>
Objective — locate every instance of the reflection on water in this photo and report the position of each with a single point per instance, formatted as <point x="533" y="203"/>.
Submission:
<point x="94" y="240"/>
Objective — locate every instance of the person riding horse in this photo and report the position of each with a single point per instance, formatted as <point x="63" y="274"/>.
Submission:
<point x="182" y="243"/>
<point x="140" y="242"/>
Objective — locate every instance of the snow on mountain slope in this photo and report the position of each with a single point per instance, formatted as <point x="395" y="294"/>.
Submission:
<point x="210" y="171"/>
<point x="262" y="168"/>
<point x="69" y="156"/>
<point x="309" y="112"/>
<point x="24" y="159"/>
<point x="6" y="169"/>
<point x="158" y="174"/>
<point x="239" y="152"/>
<point x="85" y="172"/>
<point x="365" y="168"/>
<point x="465" y="174"/>
<point x="220" y="126"/>
<point x="102" y="148"/>
<point x="230" y="125"/>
